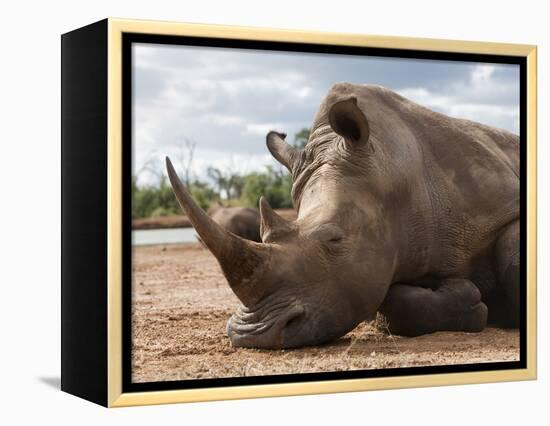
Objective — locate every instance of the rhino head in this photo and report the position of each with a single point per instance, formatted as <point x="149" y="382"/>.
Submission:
<point x="312" y="280"/>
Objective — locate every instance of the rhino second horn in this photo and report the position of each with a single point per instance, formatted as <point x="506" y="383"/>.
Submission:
<point x="284" y="153"/>
<point x="239" y="259"/>
<point x="271" y="222"/>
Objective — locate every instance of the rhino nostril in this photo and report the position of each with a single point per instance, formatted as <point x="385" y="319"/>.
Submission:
<point x="292" y="321"/>
<point x="293" y="317"/>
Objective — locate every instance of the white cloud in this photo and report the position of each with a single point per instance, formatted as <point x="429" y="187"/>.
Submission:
<point x="456" y="101"/>
<point x="261" y="129"/>
<point x="304" y="92"/>
<point x="236" y="163"/>
<point x="482" y="73"/>
<point x="227" y="100"/>
<point x="224" y="119"/>
<point x="203" y="159"/>
<point x="426" y="98"/>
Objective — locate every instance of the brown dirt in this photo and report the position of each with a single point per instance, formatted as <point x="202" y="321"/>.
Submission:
<point x="182" y="303"/>
<point x="181" y="221"/>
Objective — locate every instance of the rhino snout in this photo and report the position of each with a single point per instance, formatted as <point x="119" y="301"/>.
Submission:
<point x="270" y="332"/>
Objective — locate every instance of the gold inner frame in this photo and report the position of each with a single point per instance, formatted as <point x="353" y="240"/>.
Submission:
<point x="116" y="27"/>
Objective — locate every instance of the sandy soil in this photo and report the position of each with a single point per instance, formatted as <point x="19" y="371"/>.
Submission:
<point x="182" y="304"/>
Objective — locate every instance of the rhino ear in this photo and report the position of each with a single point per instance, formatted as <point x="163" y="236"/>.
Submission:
<point x="284" y="153"/>
<point x="348" y="121"/>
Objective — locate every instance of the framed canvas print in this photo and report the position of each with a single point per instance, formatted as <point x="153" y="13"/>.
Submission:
<point x="251" y="212"/>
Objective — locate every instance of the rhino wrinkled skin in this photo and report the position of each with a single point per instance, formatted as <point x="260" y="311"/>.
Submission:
<point x="401" y="210"/>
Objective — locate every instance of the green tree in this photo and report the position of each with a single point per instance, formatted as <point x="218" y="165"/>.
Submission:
<point x="301" y="138"/>
<point x="159" y="200"/>
<point x="228" y="182"/>
<point x="220" y="180"/>
<point x="274" y="185"/>
<point x="203" y="194"/>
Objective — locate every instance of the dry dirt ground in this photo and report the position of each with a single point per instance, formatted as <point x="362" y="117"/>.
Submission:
<point x="181" y="303"/>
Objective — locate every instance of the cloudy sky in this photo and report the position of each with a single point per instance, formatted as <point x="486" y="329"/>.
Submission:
<point x="226" y="100"/>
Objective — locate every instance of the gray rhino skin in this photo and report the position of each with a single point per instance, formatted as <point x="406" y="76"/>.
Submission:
<point x="241" y="221"/>
<point x="400" y="210"/>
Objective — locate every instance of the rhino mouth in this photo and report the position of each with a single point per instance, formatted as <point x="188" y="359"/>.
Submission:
<point x="266" y="327"/>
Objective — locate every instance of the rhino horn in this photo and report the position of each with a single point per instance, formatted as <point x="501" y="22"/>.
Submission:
<point x="349" y="121"/>
<point x="271" y="223"/>
<point x="239" y="259"/>
<point x="284" y="153"/>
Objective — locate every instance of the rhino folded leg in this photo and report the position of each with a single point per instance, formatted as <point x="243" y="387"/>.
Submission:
<point x="454" y="306"/>
<point x="505" y="304"/>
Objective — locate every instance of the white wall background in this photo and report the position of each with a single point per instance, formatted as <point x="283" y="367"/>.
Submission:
<point x="30" y="210"/>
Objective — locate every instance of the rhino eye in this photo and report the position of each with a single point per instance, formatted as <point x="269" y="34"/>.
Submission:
<point x="329" y="234"/>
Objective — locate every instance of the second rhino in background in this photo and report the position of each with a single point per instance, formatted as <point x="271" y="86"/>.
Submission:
<point x="241" y="221"/>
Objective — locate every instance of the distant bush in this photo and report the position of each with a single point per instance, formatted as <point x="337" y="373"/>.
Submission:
<point x="159" y="200"/>
<point x="301" y="138"/>
<point x="161" y="212"/>
<point x="275" y="186"/>
<point x="203" y="195"/>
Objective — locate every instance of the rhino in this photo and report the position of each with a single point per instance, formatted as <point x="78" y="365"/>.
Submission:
<point x="401" y="210"/>
<point x="241" y="221"/>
